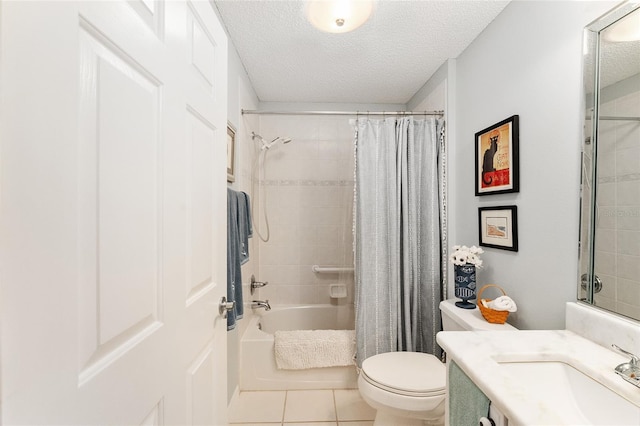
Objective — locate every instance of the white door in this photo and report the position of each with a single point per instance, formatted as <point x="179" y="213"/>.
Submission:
<point x="113" y="213"/>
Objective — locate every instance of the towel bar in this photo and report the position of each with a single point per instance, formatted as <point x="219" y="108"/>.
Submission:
<point x="330" y="269"/>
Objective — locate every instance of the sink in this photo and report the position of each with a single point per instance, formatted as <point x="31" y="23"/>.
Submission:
<point x="574" y="396"/>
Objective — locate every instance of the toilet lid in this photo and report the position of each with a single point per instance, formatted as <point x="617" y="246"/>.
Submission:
<point x="410" y="373"/>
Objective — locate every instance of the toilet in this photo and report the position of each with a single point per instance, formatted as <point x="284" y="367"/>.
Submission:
<point x="408" y="388"/>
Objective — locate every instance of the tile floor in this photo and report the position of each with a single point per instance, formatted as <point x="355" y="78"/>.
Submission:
<point x="338" y="407"/>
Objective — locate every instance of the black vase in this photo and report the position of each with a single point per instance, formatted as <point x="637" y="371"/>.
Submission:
<point x="465" y="284"/>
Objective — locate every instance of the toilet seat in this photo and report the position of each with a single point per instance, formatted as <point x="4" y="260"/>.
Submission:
<point x="411" y="374"/>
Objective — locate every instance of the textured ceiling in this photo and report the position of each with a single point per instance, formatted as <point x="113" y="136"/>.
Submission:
<point x="385" y="61"/>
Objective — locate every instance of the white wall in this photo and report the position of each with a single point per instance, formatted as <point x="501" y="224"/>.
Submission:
<point x="241" y="96"/>
<point x="528" y="62"/>
<point x="438" y="93"/>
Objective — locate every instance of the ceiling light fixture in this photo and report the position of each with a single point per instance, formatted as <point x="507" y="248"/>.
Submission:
<point x="338" y="16"/>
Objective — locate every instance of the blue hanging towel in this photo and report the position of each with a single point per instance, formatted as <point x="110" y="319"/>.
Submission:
<point x="239" y="230"/>
<point x="245" y="228"/>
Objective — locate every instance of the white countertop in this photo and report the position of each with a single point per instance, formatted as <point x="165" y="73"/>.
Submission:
<point x="478" y="354"/>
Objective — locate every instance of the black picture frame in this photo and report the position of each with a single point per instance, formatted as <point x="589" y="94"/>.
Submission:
<point x="497" y="158"/>
<point x="498" y="227"/>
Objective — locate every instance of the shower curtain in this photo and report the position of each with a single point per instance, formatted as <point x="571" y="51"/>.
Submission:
<point x="397" y="236"/>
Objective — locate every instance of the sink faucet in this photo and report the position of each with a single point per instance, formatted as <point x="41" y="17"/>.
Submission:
<point x="261" y="304"/>
<point x="629" y="371"/>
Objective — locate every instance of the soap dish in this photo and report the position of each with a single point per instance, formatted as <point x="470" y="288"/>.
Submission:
<point x="337" y="291"/>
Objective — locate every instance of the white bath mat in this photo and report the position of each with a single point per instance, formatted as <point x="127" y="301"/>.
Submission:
<point x="302" y="349"/>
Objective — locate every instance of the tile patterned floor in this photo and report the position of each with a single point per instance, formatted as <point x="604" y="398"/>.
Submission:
<point x="338" y="407"/>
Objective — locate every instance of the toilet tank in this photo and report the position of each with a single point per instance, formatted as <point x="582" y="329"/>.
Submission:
<point x="459" y="319"/>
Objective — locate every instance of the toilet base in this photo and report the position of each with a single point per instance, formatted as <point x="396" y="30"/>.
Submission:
<point x="386" y="419"/>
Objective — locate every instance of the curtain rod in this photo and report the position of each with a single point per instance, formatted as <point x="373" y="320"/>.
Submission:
<point x="356" y="113"/>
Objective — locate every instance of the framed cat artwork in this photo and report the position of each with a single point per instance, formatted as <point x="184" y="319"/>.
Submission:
<point x="497" y="158"/>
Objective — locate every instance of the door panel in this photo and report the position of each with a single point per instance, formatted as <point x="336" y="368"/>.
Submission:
<point x="113" y="206"/>
<point x="119" y="206"/>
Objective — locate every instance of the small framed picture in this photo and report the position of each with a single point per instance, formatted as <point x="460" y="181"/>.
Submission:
<point x="231" y="152"/>
<point x="498" y="227"/>
<point x="497" y="158"/>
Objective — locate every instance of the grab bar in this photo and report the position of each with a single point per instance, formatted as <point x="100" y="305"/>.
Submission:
<point x="330" y="269"/>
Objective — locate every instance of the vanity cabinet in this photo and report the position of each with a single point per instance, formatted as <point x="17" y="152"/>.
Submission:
<point x="467" y="403"/>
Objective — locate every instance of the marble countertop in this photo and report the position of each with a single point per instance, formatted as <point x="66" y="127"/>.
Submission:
<point x="479" y="353"/>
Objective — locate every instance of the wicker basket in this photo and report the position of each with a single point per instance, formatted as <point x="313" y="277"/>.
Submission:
<point x="491" y="315"/>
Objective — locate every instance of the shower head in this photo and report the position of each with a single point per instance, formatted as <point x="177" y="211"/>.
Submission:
<point x="278" y="139"/>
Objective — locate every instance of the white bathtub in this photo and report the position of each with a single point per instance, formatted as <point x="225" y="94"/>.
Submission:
<point x="258" y="365"/>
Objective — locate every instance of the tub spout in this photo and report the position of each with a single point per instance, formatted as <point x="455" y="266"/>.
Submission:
<point x="261" y="304"/>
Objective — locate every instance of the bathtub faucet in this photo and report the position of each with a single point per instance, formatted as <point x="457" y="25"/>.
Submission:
<point x="261" y="304"/>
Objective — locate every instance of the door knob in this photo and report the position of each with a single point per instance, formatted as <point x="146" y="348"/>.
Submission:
<point x="225" y="307"/>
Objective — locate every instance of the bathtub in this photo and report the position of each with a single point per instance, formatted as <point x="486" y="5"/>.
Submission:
<point x="258" y="365"/>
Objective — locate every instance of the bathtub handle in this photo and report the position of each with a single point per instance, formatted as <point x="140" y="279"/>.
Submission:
<point x="225" y="307"/>
<point x="257" y="284"/>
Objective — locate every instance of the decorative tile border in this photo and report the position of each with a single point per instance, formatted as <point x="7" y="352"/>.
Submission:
<point x="307" y="183"/>
<point x="631" y="177"/>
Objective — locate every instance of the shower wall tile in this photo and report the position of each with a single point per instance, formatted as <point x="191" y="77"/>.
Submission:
<point x="309" y="255"/>
<point x="607" y="162"/>
<point x="628" y="135"/>
<point x="329" y="149"/>
<point x="347" y="169"/>
<point x="629" y="310"/>
<point x="609" y="286"/>
<point x="279" y="275"/>
<point x="330" y="255"/>
<point x="284" y="235"/>
<point x="628" y="267"/>
<point x="327" y="169"/>
<point x="309" y="188"/>
<point x="307" y="276"/>
<point x="605" y="263"/>
<point x="606" y="303"/>
<point x="628" y="243"/>
<point x="294" y="294"/>
<point x="606" y="137"/>
<point x="607" y="194"/>
<point x="330" y="236"/>
<point x="605" y="240"/>
<point x="280" y="255"/>
<point x="329" y="215"/>
<point x="270" y="293"/>
<point x="300" y="127"/>
<point x="329" y="128"/>
<point x="329" y="196"/>
<point x="303" y="149"/>
<point x="628" y="193"/>
<point x="629" y="218"/>
<point x="307" y="233"/>
<point x="627" y="161"/>
<point x="619" y="206"/>
<point x="268" y="126"/>
<point x="628" y="290"/>
<point x="309" y="196"/>
<point x="346" y="131"/>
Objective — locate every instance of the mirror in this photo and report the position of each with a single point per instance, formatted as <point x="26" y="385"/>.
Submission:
<point x="610" y="185"/>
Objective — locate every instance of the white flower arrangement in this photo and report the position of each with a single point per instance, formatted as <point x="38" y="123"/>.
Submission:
<point x="463" y="255"/>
